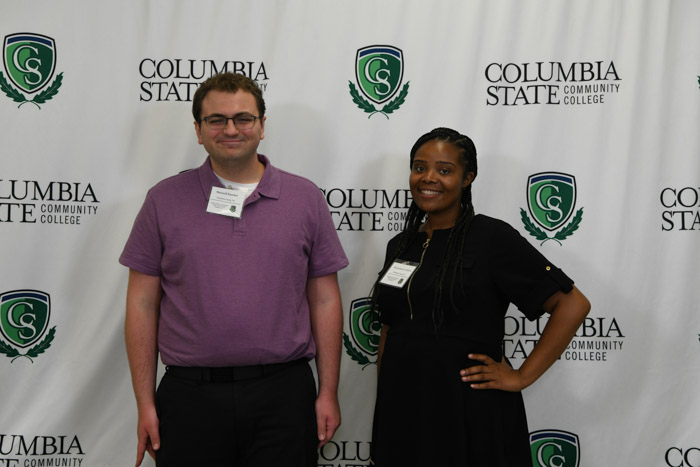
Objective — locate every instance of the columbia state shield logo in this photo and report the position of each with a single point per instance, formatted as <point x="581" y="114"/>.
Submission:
<point x="24" y="320"/>
<point x="379" y="74"/>
<point x="551" y="201"/>
<point x="29" y="61"/>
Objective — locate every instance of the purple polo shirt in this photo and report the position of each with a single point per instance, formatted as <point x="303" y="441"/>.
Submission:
<point x="234" y="290"/>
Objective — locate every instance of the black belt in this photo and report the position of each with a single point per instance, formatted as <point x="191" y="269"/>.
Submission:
<point x="228" y="374"/>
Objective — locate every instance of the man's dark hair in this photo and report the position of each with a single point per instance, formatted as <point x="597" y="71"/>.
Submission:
<point x="227" y="82"/>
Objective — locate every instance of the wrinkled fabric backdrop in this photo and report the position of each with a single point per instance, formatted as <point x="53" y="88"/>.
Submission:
<point x="585" y="116"/>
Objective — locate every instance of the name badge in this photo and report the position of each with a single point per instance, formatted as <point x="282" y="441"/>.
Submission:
<point x="399" y="273"/>
<point x="227" y="201"/>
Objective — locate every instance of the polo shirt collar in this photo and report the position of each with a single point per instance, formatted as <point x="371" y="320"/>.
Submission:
<point x="269" y="185"/>
<point x="270" y="182"/>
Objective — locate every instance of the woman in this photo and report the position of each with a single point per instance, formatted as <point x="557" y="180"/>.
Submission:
<point x="446" y="395"/>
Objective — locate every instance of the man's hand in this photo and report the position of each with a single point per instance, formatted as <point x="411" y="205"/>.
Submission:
<point x="148" y="434"/>
<point x="327" y="418"/>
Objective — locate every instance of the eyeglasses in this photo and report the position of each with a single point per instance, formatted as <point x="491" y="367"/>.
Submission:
<point x="242" y="122"/>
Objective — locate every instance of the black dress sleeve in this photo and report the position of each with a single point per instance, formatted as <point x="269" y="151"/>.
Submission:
<point x="523" y="274"/>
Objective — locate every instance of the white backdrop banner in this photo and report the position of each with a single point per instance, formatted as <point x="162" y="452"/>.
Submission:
<point x="586" y="119"/>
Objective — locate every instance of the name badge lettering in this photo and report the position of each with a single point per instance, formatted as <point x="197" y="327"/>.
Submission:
<point x="227" y="201"/>
<point x="399" y="273"/>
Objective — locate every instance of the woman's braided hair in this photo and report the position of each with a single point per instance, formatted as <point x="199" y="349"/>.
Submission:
<point x="452" y="260"/>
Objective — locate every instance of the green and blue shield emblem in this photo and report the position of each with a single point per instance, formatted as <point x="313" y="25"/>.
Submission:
<point x="551" y="197"/>
<point x="30" y="62"/>
<point x="379" y="73"/>
<point x="24" y="319"/>
<point x="24" y="316"/>
<point x="554" y="448"/>
<point x="363" y="341"/>
<point x="551" y="200"/>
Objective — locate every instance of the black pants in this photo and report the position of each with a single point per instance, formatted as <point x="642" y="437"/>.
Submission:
<point x="261" y="421"/>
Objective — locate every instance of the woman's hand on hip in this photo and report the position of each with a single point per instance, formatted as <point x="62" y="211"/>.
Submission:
<point x="492" y="374"/>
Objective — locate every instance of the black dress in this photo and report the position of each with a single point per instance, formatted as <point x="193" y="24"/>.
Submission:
<point x="425" y="415"/>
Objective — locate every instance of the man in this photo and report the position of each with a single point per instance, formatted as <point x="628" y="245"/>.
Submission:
<point x="232" y="279"/>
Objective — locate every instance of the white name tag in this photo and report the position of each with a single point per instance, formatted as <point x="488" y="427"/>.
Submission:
<point x="227" y="201"/>
<point x="399" y="273"/>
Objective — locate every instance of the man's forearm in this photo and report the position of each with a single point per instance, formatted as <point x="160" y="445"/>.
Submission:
<point x="328" y="349"/>
<point x="141" y="349"/>
<point x="327" y="328"/>
<point x="141" y="334"/>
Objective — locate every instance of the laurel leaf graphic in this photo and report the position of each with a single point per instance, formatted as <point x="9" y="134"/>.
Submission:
<point x="9" y="91"/>
<point x="49" y="92"/>
<point x="7" y="350"/>
<point x="361" y="102"/>
<point x="571" y="227"/>
<point x="396" y="103"/>
<point x="355" y="354"/>
<point x="531" y="227"/>
<point x="43" y="345"/>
